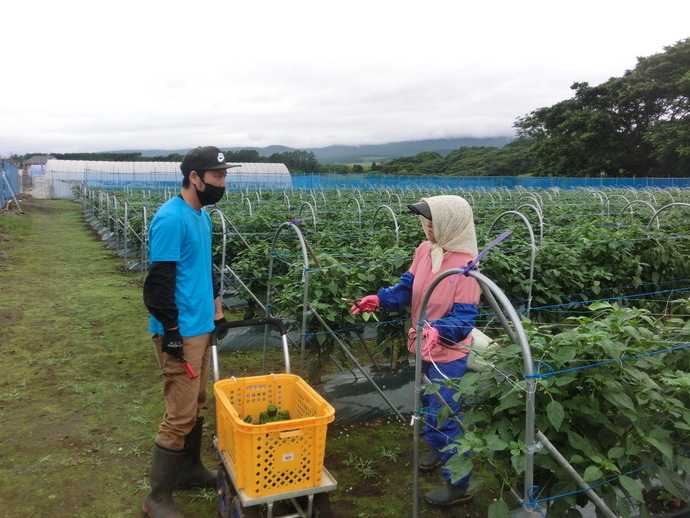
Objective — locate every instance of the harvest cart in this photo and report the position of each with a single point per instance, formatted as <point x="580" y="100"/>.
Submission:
<point x="263" y="464"/>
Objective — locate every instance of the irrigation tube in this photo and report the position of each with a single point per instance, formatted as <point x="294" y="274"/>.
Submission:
<point x="530" y="382"/>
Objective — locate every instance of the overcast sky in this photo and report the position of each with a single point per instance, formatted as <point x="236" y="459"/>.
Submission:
<point x="163" y="74"/>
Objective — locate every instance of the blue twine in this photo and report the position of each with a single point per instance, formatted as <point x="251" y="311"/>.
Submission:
<point x="590" y="301"/>
<point x="553" y="373"/>
<point x="532" y="502"/>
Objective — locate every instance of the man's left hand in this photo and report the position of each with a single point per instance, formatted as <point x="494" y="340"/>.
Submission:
<point x="216" y="323"/>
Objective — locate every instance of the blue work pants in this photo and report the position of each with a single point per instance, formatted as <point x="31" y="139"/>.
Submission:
<point x="438" y="437"/>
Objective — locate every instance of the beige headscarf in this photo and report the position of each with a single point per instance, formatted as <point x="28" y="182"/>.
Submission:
<point x="453" y="223"/>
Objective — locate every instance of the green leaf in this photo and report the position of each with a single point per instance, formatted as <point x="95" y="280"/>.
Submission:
<point x="555" y="413"/>
<point x="611" y="348"/>
<point x="671" y="482"/>
<point x="459" y="465"/>
<point x="632" y="487"/>
<point x="580" y="443"/>
<point x="663" y="446"/>
<point x="592" y="473"/>
<point x="616" y="452"/>
<point x="494" y="443"/>
<point x="443" y="414"/>
<point x="619" y="399"/>
<point x="499" y="510"/>
<point x="595" y="306"/>
<point x="632" y="332"/>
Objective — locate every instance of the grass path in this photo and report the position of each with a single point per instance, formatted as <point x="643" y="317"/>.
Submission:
<point x="79" y="394"/>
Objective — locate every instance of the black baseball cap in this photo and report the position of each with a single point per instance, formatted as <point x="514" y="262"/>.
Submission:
<point x="206" y="158"/>
<point x="421" y="208"/>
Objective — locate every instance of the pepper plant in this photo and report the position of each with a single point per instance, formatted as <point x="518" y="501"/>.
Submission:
<point x="613" y="405"/>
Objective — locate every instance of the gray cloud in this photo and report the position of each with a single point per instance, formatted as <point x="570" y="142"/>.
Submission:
<point x="149" y="75"/>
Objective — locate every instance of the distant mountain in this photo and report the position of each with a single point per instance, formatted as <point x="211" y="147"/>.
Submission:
<point x="382" y="152"/>
<point x="364" y="153"/>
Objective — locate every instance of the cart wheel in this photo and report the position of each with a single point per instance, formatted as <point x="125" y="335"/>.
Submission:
<point x="226" y="493"/>
<point x="237" y="511"/>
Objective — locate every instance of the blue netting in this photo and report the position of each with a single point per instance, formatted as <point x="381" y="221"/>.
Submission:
<point x="9" y="182"/>
<point x="374" y="182"/>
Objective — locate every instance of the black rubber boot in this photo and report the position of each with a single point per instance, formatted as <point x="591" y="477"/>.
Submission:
<point x="430" y="461"/>
<point x="164" y="470"/>
<point x="448" y="495"/>
<point x="192" y="472"/>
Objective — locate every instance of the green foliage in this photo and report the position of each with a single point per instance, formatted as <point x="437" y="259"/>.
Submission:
<point x="465" y="161"/>
<point x="611" y="408"/>
<point x="635" y="125"/>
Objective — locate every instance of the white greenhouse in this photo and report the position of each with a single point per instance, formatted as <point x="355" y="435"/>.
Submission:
<point x="58" y="177"/>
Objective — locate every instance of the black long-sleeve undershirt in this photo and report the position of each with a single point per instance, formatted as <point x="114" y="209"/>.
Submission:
<point x="159" y="293"/>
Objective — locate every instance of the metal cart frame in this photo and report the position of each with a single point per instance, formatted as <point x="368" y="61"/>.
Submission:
<point x="307" y="503"/>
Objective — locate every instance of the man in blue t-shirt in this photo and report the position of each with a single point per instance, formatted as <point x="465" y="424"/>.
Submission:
<point x="183" y="300"/>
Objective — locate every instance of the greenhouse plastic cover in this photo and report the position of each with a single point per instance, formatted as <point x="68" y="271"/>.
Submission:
<point x="62" y="175"/>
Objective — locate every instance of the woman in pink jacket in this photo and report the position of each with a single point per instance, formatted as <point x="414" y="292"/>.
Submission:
<point x="451" y="314"/>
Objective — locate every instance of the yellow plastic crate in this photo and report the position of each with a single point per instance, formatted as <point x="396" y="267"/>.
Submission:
<point x="272" y="458"/>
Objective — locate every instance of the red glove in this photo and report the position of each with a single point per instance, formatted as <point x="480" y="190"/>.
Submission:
<point x="368" y="304"/>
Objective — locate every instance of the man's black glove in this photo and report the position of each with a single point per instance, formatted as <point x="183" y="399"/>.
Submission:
<point x="172" y="343"/>
<point x="224" y="332"/>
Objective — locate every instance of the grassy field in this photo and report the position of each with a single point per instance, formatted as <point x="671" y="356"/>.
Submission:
<point x="80" y="392"/>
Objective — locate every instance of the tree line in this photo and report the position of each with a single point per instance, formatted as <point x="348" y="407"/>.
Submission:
<point x="634" y="125"/>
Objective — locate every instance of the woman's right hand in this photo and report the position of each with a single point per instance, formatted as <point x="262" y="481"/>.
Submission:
<point x="367" y="304"/>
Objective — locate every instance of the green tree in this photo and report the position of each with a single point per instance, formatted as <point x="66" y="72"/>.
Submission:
<point x="487" y="161"/>
<point x="663" y="80"/>
<point x="244" y="155"/>
<point x="298" y="161"/>
<point x="635" y="125"/>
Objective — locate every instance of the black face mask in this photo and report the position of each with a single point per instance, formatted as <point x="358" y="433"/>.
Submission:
<point x="211" y="195"/>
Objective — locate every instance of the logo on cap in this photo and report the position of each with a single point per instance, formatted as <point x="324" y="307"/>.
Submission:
<point x="221" y="157"/>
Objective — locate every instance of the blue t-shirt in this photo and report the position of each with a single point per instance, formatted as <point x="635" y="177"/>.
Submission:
<point x="182" y="234"/>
